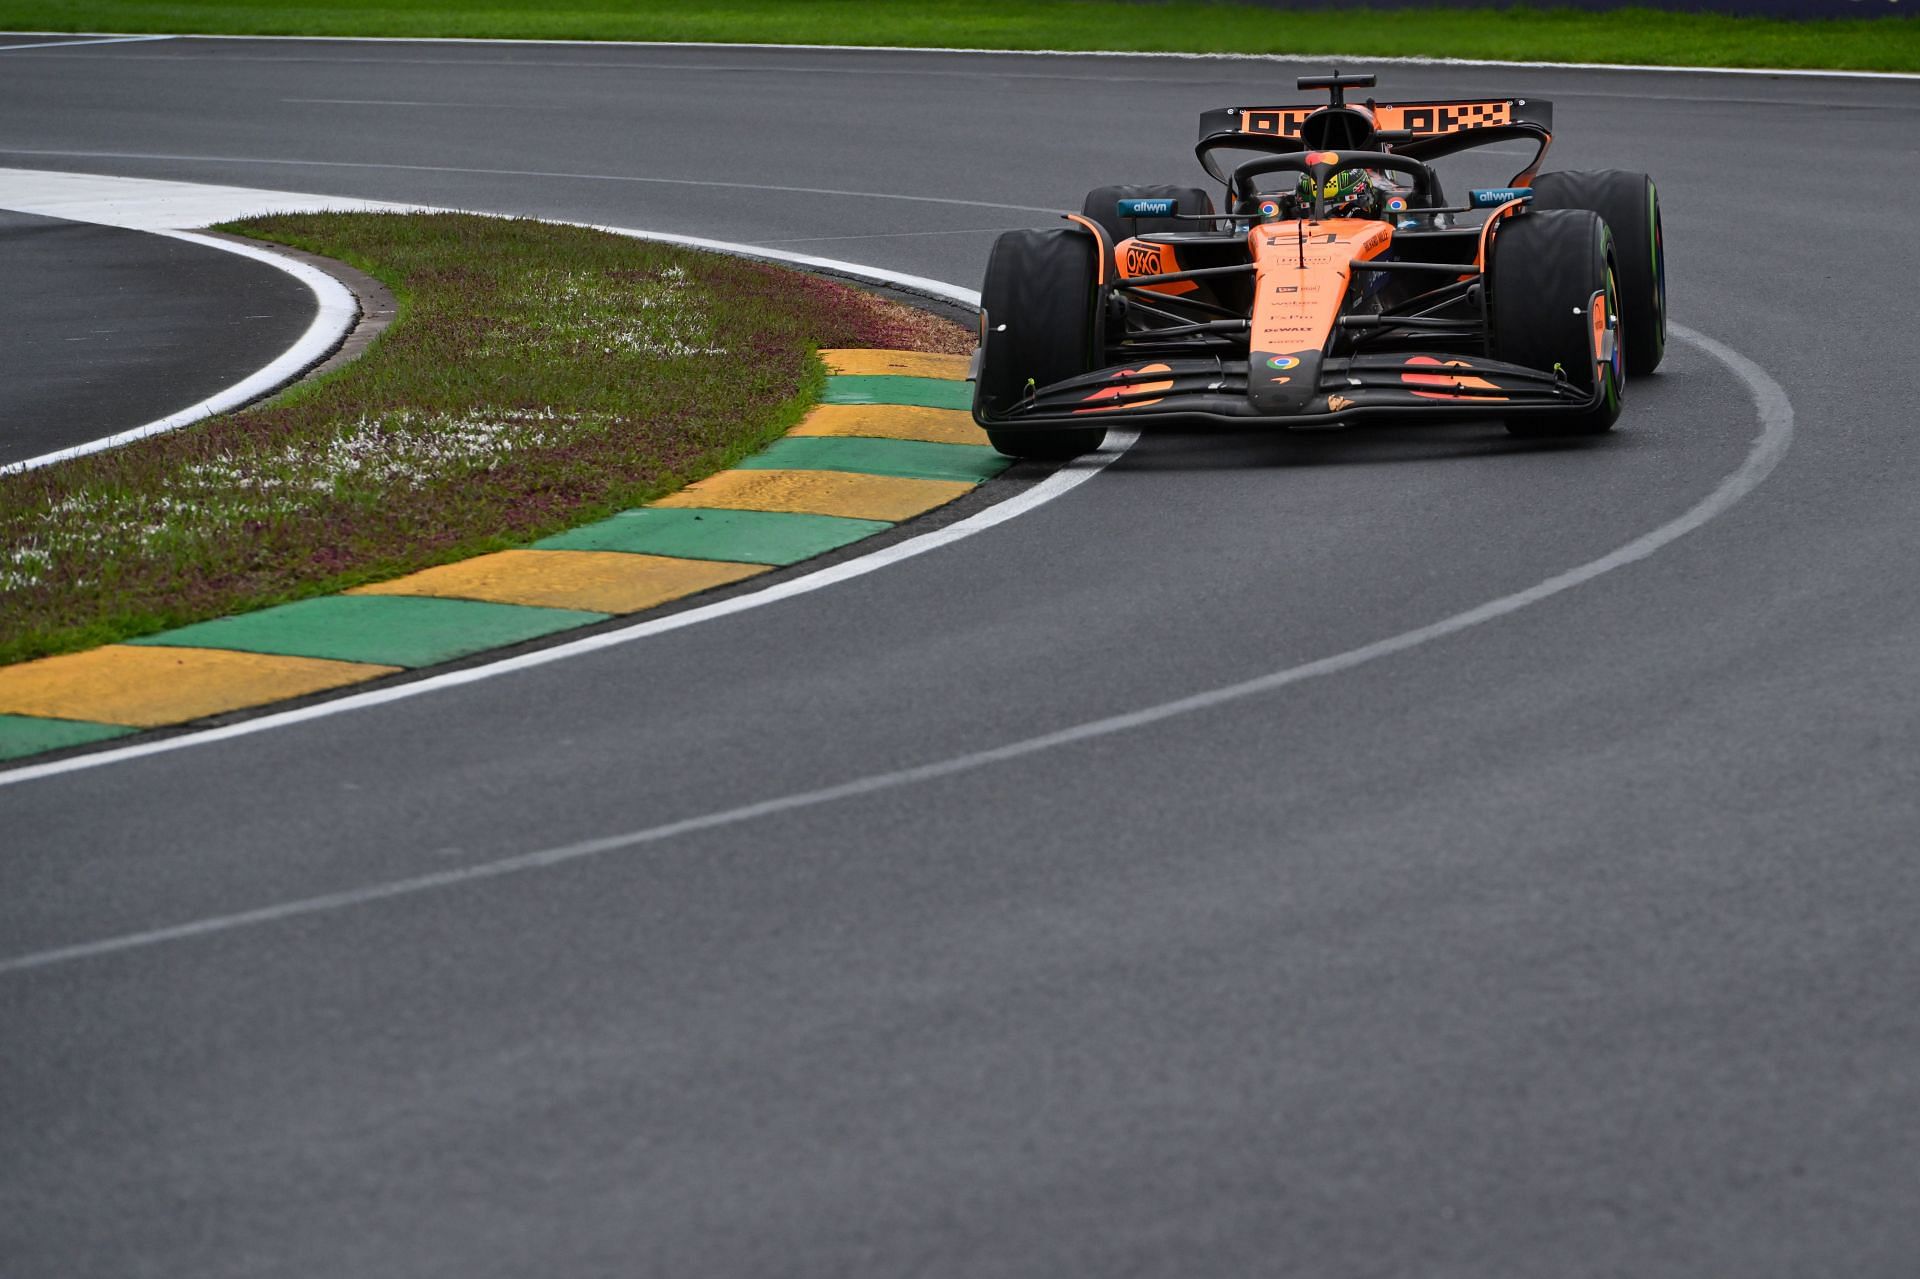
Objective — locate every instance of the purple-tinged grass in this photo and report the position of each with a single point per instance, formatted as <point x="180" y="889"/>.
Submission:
<point x="538" y="377"/>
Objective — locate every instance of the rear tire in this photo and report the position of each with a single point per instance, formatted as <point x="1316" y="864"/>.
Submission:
<point x="1102" y="206"/>
<point x="1036" y="327"/>
<point x="1631" y="205"/>
<point x="1543" y="273"/>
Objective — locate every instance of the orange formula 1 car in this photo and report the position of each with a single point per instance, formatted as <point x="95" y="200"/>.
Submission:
<point x="1335" y="284"/>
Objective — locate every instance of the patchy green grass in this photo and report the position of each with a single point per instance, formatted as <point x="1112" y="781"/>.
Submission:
<point x="537" y="377"/>
<point x="1564" y="35"/>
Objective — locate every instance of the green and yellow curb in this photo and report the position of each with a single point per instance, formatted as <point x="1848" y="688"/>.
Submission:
<point x="135" y="686"/>
<point x="891" y="439"/>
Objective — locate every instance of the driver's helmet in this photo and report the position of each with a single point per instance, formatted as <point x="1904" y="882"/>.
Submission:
<point x="1350" y="193"/>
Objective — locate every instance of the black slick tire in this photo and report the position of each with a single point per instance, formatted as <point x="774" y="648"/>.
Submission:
<point x="1102" y="205"/>
<point x="1037" y="326"/>
<point x="1631" y="205"/>
<point x="1543" y="271"/>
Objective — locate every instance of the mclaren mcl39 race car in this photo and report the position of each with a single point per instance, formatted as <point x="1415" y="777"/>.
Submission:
<point x="1336" y="283"/>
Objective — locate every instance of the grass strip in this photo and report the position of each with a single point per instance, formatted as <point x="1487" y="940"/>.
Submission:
<point x="1638" y="36"/>
<point x="538" y="377"/>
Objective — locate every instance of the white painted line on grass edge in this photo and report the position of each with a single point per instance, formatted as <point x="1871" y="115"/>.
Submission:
<point x="1771" y="405"/>
<point x="336" y="314"/>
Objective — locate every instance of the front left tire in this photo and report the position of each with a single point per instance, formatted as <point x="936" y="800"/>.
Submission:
<point x="1037" y="326"/>
<point x="1543" y="273"/>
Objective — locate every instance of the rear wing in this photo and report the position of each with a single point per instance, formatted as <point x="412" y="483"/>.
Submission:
<point x="1418" y="130"/>
<point x="1421" y="119"/>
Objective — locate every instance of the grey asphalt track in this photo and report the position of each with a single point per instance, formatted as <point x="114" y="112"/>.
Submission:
<point x="1581" y="943"/>
<point x="108" y="329"/>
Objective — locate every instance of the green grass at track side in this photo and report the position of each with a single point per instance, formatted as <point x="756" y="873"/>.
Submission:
<point x="538" y="377"/>
<point x="1640" y="36"/>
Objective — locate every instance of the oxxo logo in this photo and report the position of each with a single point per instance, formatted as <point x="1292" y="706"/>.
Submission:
<point x="1143" y="259"/>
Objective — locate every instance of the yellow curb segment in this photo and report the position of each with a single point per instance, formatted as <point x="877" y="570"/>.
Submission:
<point x="892" y="422"/>
<point x="864" y="363"/>
<point x="146" y="687"/>
<point x="598" y="581"/>
<point x="864" y="497"/>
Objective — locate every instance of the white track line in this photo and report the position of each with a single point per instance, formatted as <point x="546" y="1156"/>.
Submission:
<point x="68" y="44"/>
<point x="1056" y="485"/>
<point x="336" y="313"/>
<point x="1070" y="53"/>
<point x="157" y="205"/>
<point x="556" y="174"/>
<point x="1771" y="405"/>
<point x="140" y="202"/>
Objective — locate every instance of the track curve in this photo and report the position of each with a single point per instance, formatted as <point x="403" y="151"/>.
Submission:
<point x="1572" y="944"/>
<point x="116" y="329"/>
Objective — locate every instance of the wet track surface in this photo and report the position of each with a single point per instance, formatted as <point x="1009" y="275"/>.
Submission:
<point x="1576" y="943"/>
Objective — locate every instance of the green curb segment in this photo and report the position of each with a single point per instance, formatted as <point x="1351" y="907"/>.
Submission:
<point x="386" y="630"/>
<point x="925" y="392"/>
<point x="741" y="537"/>
<point x="401" y="626"/>
<point x="914" y="459"/>
<point x="22" y="735"/>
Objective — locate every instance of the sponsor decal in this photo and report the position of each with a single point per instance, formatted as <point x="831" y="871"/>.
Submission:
<point x="1335" y="403"/>
<point x="1143" y="259"/>
<point x="1121" y="388"/>
<point x="1283" y="362"/>
<point x="1280" y="381"/>
<point x="1448" y="117"/>
<point x="1148" y="208"/>
<point x="1136" y="259"/>
<point x="1493" y="197"/>
<point x="1280" y="122"/>
<point x="1421" y="120"/>
<point x="1323" y="157"/>
<point x="1269" y="208"/>
<point x="1396" y="204"/>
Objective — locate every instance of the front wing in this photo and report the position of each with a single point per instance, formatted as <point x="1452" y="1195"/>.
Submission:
<point x="1364" y="386"/>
